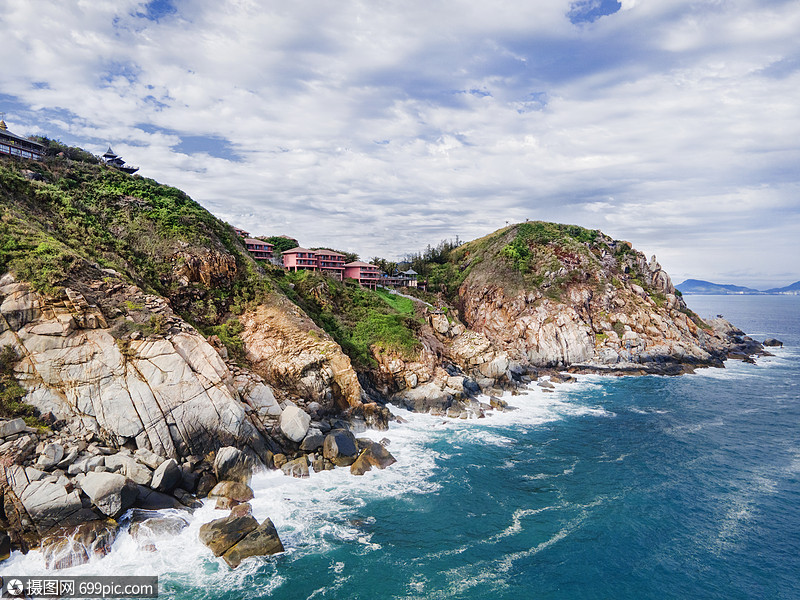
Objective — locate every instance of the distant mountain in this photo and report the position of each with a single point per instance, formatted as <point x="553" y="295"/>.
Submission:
<point x="792" y="289"/>
<point x="698" y="286"/>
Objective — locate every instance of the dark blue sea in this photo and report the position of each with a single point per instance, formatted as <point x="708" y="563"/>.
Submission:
<point x="613" y="488"/>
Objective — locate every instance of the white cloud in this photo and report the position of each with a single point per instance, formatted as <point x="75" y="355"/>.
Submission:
<point x="381" y="128"/>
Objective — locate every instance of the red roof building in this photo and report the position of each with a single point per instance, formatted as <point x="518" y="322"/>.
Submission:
<point x="300" y="259"/>
<point x="260" y="249"/>
<point x="331" y="263"/>
<point x="366" y="274"/>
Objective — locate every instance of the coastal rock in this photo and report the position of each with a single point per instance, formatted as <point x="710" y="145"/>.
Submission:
<point x="148" y="499"/>
<point x="167" y="476"/>
<point x="772" y="343"/>
<point x="313" y="441"/>
<point x="235" y="490"/>
<point x="11" y="427"/>
<point x="296" y="468"/>
<point x="111" y="493"/>
<point x="231" y="464"/>
<point x="289" y="351"/>
<point x="375" y="455"/>
<point x="73" y="546"/>
<point x="50" y="505"/>
<point x="51" y="455"/>
<point x="263" y="541"/>
<point x="221" y="534"/>
<point x="130" y="468"/>
<point x="173" y="396"/>
<point x="294" y="423"/>
<point x="5" y="545"/>
<point x="340" y="448"/>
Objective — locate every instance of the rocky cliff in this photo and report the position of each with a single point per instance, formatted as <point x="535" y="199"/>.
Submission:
<point x="563" y="296"/>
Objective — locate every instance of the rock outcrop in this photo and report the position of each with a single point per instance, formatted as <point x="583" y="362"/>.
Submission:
<point x="171" y="393"/>
<point x="594" y="305"/>
<point x="293" y="354"/>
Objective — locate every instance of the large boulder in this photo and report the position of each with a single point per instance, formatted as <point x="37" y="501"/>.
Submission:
<point x="73" y="546"/>
<point x="111" y="493"/>
<point x="375" y="455"/>
<point x="130" y="468"/>
<point x="221" y="534"/>
<point x="231" y="464"/>
<point x="340" y="447"/>
<point x="50" y="505"/>
<point x="11" y="427"/>
<point x="166" y="476"/>
<point x="294" y="423"/>
<point x="234" y="490"/>
<point x="263" y="541"/>
<point x="773" y="343"/>
<point x="149" y="499"/>
<point x="51" y="455"/>
<point x="296" y="468"/>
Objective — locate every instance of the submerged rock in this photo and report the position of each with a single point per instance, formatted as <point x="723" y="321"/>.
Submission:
<point x="376" y="455"/>
<point x="70" y="547"/>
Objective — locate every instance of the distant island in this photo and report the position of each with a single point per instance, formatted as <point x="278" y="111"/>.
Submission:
<point x="698" y="286"/>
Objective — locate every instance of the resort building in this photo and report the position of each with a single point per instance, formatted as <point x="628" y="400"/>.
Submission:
<point x="366" y="274"/>
<point x="260" y="249"/>
<point x="241" y="232"/>
<point x="16" y="145"/>
<point x="331" y="263"/>
<point x="400" y="279"/>
<point x="300" y="259"/>
<point x="112" y="160"/>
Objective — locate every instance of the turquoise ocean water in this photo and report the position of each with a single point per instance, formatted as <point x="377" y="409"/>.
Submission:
<point x="634" y="487"/>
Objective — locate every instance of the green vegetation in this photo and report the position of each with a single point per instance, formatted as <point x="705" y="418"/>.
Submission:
<point x="357" y="318"/>
<point x="11" y="392"/>
<point x="74" y="214"/>
<point x="280" y="243"/>
<point x="228" y="333"/>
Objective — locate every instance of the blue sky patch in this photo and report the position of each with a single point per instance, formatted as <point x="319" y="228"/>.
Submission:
<point x="588" y="11"/>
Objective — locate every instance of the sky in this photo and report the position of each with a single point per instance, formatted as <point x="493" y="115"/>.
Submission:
<point x="381" y="127"/>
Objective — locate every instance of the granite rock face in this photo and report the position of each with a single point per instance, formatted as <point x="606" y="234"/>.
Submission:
<point x="173" y="395"/>
<point x="289" y="351"/>
<point x="602" y="307"/>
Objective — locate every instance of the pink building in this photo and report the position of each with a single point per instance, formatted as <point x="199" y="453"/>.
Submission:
<point x="300" y="259"/>
<point x="330" y="262"/>
<point x="260" y="249"/>
<point x="366" y="274"/>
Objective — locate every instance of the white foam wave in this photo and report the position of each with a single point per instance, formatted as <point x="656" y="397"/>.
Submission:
<point x="319" y="513"/>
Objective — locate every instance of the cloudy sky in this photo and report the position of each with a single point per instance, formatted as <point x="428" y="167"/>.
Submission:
<point x="381" y="127"/>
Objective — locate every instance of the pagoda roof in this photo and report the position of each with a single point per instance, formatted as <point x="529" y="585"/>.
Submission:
<point x="4" y="132"/>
